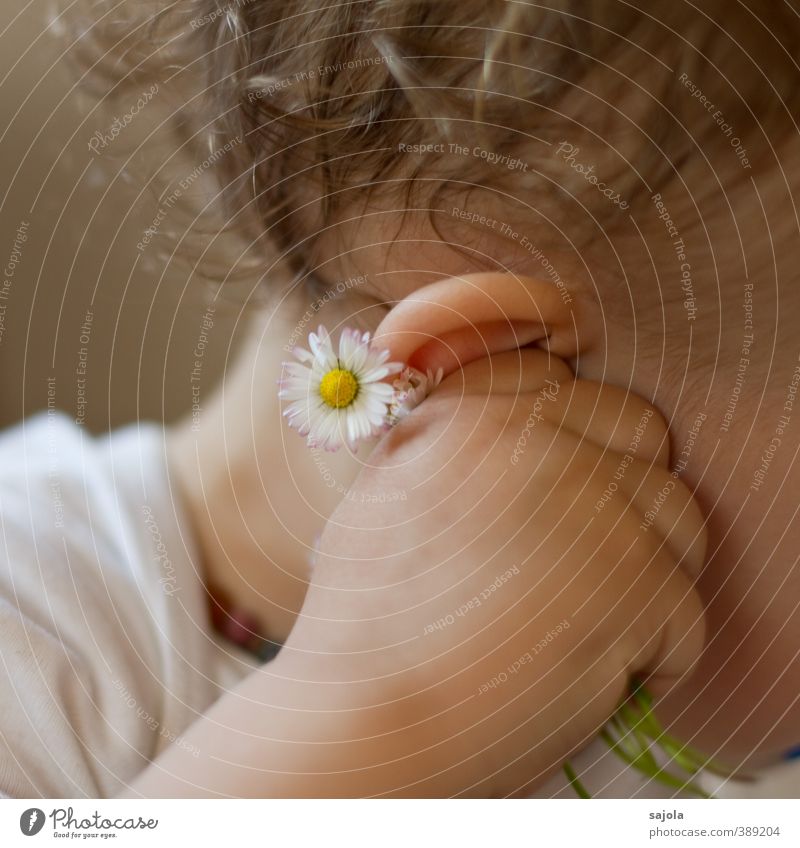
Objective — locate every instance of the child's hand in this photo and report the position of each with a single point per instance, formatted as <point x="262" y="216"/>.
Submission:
<point x="515" y="551"/>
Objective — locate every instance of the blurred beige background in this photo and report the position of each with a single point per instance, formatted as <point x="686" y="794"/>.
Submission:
<point x="69" y="258"/>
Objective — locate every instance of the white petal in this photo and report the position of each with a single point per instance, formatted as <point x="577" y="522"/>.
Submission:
<point x="295" y="390"/>
<point x="382" y="391"/>
<point x="361" y="360"/>
<point x="326" y="434"/>
<point x="374" y="374"/>
<point x="295" y="408"/>
<point x="302" y="354"/>
<point x="347" y="346"/>
<point x="352" y="428"/>
<point x="320" y="343"/>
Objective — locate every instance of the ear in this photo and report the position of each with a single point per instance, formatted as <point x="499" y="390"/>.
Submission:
<point x="460" y="319"/>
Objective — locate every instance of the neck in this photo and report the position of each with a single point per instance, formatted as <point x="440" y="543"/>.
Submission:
<point x="256" y="496"/>
<point x="723" y="376"/>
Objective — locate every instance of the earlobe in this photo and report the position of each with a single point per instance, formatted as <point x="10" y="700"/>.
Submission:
<point x="460" y="319"/>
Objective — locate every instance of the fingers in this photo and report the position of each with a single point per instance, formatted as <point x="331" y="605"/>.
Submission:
<point x="612" y="417"/>
<point x="675" y="619"/>
<point x="636" y="599"/>
<point x="514" y="372"/>
<point x="668" y="508"/>
<point x="665" y="614"/>
<point x="628" y="429"/>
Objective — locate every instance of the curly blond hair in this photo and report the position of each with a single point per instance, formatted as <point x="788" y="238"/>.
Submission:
<point x="311" y="100"/>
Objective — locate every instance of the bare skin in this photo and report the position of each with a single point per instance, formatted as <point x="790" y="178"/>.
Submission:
<point x="743" y="701"/>
<point x="367" y="698"/>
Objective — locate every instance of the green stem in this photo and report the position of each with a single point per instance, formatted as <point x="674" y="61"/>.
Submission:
<point x="636" y="731"/>
<point x="659" y="774"/>
<point x="580" y="789"/>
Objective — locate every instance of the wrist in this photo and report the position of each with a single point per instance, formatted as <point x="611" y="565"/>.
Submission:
<point x="333" y="734"/>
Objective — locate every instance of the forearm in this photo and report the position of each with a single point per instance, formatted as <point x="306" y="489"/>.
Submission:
<point x="276" y="737"/>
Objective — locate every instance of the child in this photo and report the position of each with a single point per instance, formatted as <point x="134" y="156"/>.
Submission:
<point x="520" y="196"/>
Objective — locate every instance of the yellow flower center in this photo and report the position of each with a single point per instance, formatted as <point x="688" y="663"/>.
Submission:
<point x="338" y="388"/>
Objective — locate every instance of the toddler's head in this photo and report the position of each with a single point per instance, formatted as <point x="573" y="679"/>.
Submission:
<point x="640" y="158"/>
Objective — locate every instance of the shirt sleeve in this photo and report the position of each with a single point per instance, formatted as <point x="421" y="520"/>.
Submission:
<point x="106" y="654"/>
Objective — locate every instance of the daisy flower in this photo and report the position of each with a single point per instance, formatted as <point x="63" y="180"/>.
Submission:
<point x="337" y="398"/>
<point x="410" y="388"/>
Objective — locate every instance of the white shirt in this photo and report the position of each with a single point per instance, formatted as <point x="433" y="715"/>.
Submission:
<point x="106" y="650"/>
